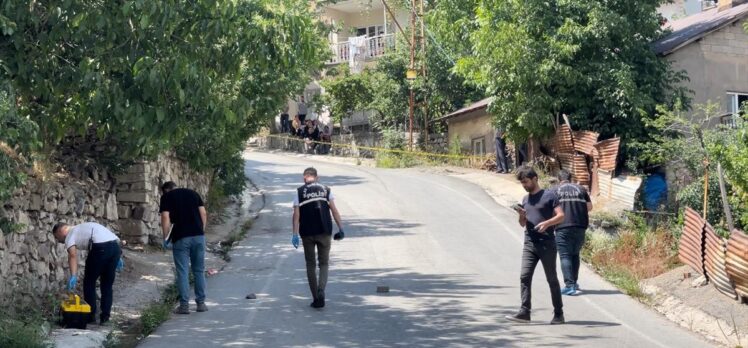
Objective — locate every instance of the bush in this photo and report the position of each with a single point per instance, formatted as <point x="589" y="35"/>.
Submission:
<point x="393" y="140"/>
<point x="692" y="195"/>
<point x="230" y="176"/>
<point x="398" y="160"/>
<point x="19" y="334"/>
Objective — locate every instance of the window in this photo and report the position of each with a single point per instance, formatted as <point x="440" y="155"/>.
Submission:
<point x="736" y="101"/>
<point x="479" y="146"/>
<point x="371" y="31"/>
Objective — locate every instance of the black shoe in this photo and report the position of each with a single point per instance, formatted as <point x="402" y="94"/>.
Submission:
<point x="316" y="304"/>
<point x="520" y="317"/>
<point x="321" y="298"/>
<point x="558" y="319"/>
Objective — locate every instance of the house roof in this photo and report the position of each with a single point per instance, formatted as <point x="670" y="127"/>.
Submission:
<point x="692" y="28"/>
<point x="468" y="109"/>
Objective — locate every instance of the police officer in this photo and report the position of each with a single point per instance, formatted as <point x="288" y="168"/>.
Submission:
<point x="576" y="204"/>
<point x="103" y="260"/>
<point x="312" y="208"/>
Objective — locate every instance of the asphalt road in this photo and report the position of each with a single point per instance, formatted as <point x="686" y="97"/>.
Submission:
<point x="448" y="252"/>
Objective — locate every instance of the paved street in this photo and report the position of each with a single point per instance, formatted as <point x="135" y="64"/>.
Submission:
<point x="448" y="252"/>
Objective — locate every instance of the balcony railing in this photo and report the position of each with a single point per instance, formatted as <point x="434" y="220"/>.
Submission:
<point x="371" y="48"/>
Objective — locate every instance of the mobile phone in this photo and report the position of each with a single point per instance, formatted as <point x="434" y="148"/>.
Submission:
<point x="517" y="207"/>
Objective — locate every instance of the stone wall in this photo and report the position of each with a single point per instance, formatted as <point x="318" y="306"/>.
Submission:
<point x="33" y="263"/>
<point x="138" y="196"/>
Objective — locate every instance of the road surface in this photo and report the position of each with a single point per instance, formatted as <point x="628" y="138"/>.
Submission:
<point x="448" y="252"/>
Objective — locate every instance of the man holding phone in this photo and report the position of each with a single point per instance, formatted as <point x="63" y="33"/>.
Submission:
<point x="538" y="214"/>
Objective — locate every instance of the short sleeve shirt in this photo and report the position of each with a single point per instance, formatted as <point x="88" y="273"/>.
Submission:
<point x="183" y="206"/>
<point x="573" y="200"/>
<point x="296" y="199"/>
<point x="81" y="236"/>
<point x="539" y="207"/>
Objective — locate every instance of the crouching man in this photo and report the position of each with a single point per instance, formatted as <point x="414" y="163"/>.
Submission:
<point x="102" y="262"/>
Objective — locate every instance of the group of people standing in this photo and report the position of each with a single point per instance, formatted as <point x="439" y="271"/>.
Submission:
<point x="317" y="137"/>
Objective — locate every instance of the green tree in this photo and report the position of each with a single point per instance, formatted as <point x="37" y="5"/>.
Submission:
<point x="149" y="76"/>
<point x="589" y="59"/>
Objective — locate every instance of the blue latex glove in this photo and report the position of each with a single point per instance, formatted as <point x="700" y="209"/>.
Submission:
<point x="166" y="245"/>
<point x="295" y="241"/>
<point x="120" y="265"/>
<point x="72" y="282"/>
<point x="339" y="236"/>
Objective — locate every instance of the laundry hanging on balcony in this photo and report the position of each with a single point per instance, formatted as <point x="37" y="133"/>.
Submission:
<point x="357" y="53"/>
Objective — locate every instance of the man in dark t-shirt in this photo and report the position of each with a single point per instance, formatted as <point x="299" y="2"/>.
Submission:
<point x="576" y="203"/>
<point x="183" y="221"/>
<point x="538" y="214"/>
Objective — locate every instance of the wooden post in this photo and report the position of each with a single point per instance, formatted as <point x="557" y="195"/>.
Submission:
<point x="723" y="193"/>
<point x="706" y="189"/>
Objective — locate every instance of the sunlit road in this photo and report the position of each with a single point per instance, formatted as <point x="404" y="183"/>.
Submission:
<point x="448" y="252"/>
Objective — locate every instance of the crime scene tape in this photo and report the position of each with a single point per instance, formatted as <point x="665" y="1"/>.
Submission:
<point x="381" y="149"/>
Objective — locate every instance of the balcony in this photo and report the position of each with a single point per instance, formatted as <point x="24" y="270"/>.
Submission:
<point x="371" y="48"/>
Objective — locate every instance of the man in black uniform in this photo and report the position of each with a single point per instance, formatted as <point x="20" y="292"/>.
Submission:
<point x="576" y="203"/>
<point x="311" y="219"/>
<point x="538" y="213"/>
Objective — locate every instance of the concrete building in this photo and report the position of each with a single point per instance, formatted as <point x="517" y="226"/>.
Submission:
<point x="364" y="30"/>
<point x="472" y="127"/>
<point x="712" y="48"/>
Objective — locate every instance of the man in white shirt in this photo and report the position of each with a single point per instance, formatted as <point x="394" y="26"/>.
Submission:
<point x="102" y="262"/>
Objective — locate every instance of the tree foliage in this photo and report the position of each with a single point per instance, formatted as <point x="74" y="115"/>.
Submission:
<point x="195" y="76"/>
<point x="589" y="59"/>
<point x="149" y="76"/>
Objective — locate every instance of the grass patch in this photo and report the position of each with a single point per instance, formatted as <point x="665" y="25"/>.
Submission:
<point x="235" y="237"/>
<point x="158" y="312"/>
<point x="391" y="160"/>
<point x="635" y="253"/>
<point x="20" y="334"/>
<point x="25" y="322"/>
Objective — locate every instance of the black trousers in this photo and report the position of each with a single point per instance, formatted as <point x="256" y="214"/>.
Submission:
<point x="545" y="253"/>
<point x="101" y="264"/>
<point x="501" y="161"/>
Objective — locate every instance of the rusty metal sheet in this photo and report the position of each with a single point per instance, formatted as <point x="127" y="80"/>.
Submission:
<point x="584" y="141"/>
<point x="608" y="153"/>
<point x="580" y="171"/>
<point x="691" y="246"/>
<point x="566" y="160"/>
<point x="715" y="262"/>
<point x="563" y="140"/>
<point x="736" y="263"/>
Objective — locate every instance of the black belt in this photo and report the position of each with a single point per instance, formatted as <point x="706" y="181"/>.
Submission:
<point x="116" y="241"/>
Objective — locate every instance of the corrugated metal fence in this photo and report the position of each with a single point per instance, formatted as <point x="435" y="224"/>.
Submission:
<point x="723" y="262"/>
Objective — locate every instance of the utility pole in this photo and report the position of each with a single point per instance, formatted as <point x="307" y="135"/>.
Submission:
<point x="412" y="66"/>
<point x="425" y="130"/>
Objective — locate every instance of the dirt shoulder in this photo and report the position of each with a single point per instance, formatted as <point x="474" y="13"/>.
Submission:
<point x="698" y="307"/>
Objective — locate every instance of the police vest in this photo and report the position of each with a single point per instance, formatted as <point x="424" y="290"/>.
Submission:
<point x="314" y="206"/>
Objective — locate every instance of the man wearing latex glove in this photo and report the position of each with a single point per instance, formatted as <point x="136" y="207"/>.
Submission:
<point x="312" y="209"/>
<point x="104" y="255"/>
<point x="183" y="223"/>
